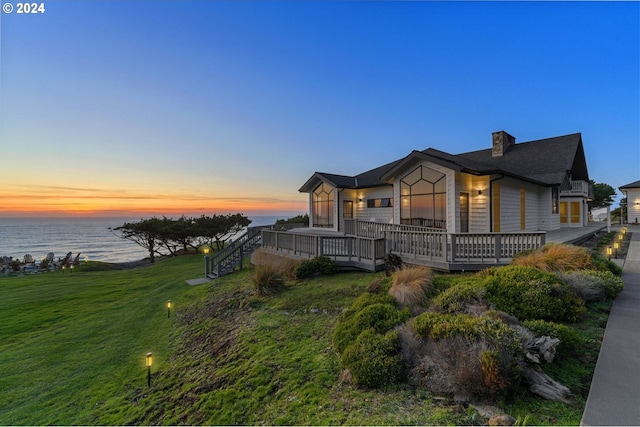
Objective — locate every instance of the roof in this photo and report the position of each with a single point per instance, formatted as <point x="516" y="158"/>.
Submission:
<point x="545" y="162"/>
<point x="632" y="185"/>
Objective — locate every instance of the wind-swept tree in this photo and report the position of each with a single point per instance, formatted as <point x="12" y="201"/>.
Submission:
<point x="146" y="233"/>
<point x="218" y="229"/>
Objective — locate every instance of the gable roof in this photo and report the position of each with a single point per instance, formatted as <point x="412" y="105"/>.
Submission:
<point x="635" y="184"/>
<point x="547" y="162"/>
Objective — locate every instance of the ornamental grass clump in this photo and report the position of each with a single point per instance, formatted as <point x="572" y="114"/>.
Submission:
<point x="528" y="293"/>
<point x="554" y="257"/>
<point x="286" y="266"/>
<point x="267" y="280"/>
<point x="411" y="286"/>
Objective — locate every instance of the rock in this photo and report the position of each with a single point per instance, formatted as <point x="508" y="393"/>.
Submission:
<point x="502" y="420"/>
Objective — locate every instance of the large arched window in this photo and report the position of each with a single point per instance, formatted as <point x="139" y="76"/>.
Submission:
<point x="323" y="206"/>
<point x="423" y="194"/>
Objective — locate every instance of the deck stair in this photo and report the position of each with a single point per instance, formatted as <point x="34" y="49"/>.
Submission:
<point x="233" y="255"/>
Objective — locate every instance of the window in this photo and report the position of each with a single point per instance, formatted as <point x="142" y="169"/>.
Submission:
<point x="423" y="194"/>
<point x="323" y="206"/>
<point x="555" y="200"/>
<point x="380" y="203"/>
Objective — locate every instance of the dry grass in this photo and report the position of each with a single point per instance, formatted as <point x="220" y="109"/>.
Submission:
<point x="286" y="266"/>
<point x="557" y="258"/>
<point x="411" y="286"/>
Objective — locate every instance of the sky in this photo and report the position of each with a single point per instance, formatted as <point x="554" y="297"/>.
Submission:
<point x="111" y="108"/>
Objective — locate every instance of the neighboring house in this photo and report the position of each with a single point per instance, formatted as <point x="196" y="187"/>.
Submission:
<point x="632" y="193"/>
<point x="531" y="186"/>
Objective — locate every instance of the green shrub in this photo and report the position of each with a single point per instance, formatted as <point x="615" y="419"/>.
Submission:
<point x="467" y="355"/>
<point x="319" y="264"/>
<point x="439" y="325"/>
<point x="607" y="281"/>
<point x="373" y="359"/>
<point x="454" y="299"/>
<point x="267" y="280"/>
<point x="570" y="340"/>
<point x="377" y="316"/>
<point x="601" y="263"/>
<point x="324" y="265"/>
<point x="529" y="293"/>
<point x="305" y="269"/>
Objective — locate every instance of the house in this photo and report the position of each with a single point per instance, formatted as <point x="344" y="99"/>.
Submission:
<point x="531" y="186"/>
<point x="632" y="193"/>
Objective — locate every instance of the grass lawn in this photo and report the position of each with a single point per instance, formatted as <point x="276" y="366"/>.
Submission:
<point x="72" y="352"/>
<point x="73" y="344"/>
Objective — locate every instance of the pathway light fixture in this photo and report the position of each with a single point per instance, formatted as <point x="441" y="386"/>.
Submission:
<point x="609" y="252"/>
<point x="149" y="362"/>
<point x="168" y="308"/>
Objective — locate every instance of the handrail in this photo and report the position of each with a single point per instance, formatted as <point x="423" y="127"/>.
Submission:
<point x="215" y="264"/>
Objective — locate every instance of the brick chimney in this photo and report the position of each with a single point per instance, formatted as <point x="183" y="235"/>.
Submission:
<point x="501" y="143"/>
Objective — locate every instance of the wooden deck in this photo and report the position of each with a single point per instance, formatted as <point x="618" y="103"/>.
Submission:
<point x="365" y="244"/>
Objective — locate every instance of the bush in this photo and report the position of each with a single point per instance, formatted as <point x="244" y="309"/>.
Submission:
<point x="570" y="340"/>
<point x="377" y="316"/>
<point x="457" y="298"/>
<point x="439" y="326"/>
<point x="469" y="356"/>
<point x="267" y="280"/>
<point x="529" y="293"/>
<point x="373" y="359"/>
<point x="319" y="264"/>
<point x="556" y="257"/>
<point x="411" y="286"/>
<point x="593" y="285"/>
<point x="305" y="269"/>
<point x="601" y="263"/>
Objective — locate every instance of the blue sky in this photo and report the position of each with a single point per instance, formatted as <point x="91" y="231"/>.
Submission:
<point x="111" y="107"/>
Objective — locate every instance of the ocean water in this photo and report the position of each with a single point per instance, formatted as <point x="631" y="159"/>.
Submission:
<point x="90" y="237"/>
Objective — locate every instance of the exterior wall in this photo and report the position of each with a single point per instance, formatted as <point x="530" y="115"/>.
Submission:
<point x="633" y="205"/>
<point x="547" y="219"/>
<point x="478" y="203"/>
<point x="538" y="215"/>
<point x="363" y="213"/>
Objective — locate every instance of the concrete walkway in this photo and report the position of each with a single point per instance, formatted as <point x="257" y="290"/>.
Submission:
<point x="614" y="396"/>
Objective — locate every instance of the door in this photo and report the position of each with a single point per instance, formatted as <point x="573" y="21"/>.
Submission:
<point x="564" y="214"/>
<point x="464" y="212"/>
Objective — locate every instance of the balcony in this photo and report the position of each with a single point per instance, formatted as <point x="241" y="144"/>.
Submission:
<point x="579" y="189"/>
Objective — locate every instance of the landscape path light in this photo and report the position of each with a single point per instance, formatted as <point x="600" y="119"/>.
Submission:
<point x="168" y="308"/>
<point x="149" y="362"/>
<point x="609" y="252"/>
<point x="616" y="246"/>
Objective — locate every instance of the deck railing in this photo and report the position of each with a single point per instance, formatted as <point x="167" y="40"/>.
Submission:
<point x="358" y="251"/>
<point x="355" y="227"/>
<point x="579" y="188"/>
<point x="411" y="242"/>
